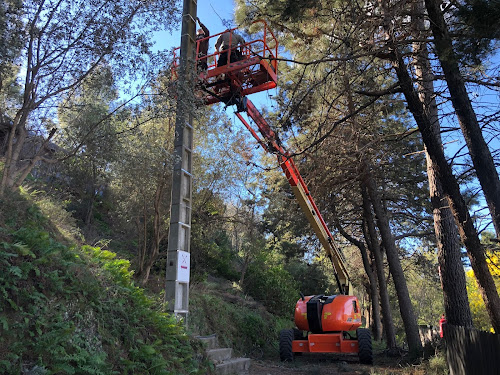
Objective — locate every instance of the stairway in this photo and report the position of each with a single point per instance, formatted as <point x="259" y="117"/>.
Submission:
<point x="223" y="359"/>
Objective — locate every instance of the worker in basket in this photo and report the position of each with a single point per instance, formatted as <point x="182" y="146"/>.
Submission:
<point x="202" y="35"/>
<point x="229" y="40"/>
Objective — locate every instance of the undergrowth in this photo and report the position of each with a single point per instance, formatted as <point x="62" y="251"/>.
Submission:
<point x="237" y="321"/>
<point x="75" y="309"/>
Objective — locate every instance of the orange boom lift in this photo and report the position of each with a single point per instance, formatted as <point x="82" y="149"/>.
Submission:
<point x="327" y="320"/>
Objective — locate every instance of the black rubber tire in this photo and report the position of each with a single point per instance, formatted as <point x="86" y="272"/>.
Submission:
<point x="365" y="352"/>
<point x="286" y="338"/>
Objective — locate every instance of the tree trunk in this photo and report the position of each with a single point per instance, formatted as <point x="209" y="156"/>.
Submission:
<point x="405" y="306"/>
<point x="246" y="262"/>
<point x="141" y="248"/>
<point x="466" y="228"/>
<point x="13" y="173"/>
<point x="14" y="145"/>
<point x="374" y="295"/>
<point x="478" y="149"/>
<point x="157" y="237"/>
<point x="373" y="245"/>
<point x="452" y="274"/>
<point x="248" y="255"/>
<point x="92" y="195"/>
<point x="359" y="244"/>
<point x="142" y="229"/>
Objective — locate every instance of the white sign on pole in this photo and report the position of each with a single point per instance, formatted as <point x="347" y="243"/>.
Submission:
<point x="183" y="266"/>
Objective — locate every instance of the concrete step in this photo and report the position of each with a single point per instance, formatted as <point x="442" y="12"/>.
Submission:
<point x="219" y="355"/>
<point x="222" y="358"/>
<point x="209" y="341"/>
<point x="238" y="366"/>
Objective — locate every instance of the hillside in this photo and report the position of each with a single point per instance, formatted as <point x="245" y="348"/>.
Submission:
<point x="74" y="309"/>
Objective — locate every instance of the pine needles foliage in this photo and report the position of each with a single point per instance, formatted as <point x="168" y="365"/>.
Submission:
<point x="75" y="309"/>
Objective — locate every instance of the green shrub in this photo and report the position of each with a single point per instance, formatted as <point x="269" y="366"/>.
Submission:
<point x="273" y="286"/>
<point x="310" y="278"/>
<point x="213" y="254"/>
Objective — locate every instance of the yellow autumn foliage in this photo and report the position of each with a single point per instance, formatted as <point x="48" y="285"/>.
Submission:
<point x="480" y="316"/>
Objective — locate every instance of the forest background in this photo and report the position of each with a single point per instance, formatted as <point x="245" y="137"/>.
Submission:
<point x="380" y="102"/>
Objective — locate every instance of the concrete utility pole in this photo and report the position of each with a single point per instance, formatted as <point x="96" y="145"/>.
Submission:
<point x="178" y="255"/>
